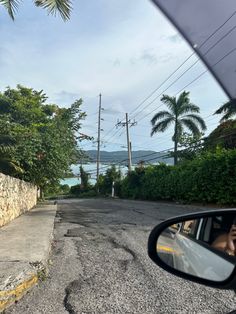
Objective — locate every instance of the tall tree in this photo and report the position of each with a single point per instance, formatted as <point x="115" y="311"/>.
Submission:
<point x="45" y="135"/>
<point x="182" y="114"/>
<point x="84" y="178"/>
<point x="63" y="7"/>
<point x="8" y="164"/>
<point x="105" y="181"/>
<point x="228" y="109"/>
<point x="190" y="146"/>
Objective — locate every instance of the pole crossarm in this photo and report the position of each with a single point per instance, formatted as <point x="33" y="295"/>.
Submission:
<point x="127" y="124"/>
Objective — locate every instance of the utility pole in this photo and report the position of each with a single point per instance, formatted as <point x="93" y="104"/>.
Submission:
<point x="99" y="132"/>
<point x="128" y="142"/>
<point x="127" y="124"/>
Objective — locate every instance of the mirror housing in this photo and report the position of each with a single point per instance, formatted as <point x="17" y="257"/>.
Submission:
<point x="157" y="232"/>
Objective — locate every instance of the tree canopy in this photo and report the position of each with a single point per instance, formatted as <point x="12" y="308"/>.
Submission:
<point x="63" y="7"/>
<point x="44" y="137"/>
<point x="223" y="136"/>
<point x="182" y="114"/>
<point x="228" y="110"/>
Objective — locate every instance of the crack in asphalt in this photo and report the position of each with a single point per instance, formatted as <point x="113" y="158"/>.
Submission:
<point x="68" y="290"/>
<point x="119" y="246"/>
<point x="123" y="263"/>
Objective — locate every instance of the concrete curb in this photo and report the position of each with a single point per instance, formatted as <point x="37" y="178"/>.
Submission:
<point x="20" y="273"/>
<point x="18" y="284"/>
<point x="9" y="297"/>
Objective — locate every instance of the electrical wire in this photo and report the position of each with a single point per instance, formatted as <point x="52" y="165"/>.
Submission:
<point x="152" y="93"/>
<point x="201" y="45"/>
<point x="194" y="80"/>
<point x="169" y="150"/>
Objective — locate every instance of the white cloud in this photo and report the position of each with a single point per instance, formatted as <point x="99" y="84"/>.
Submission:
<point x="123" y="49"/>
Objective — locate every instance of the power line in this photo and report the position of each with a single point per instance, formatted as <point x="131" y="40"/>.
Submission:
<point x="168" y="134"/>
<point x="226" y="55"/>
<point x="124" y="160"/>
<point x="188" y="67"/>
<point x="117" y="131"/>
<point x="180" y="75"/>
<point x="194" y="80"/>
<point x="109" y="131"/>
<point x="156" y="89"/>
<point x="177" y="79"/>
<point x="200" y="141"/>
<point x="163" y="138"/>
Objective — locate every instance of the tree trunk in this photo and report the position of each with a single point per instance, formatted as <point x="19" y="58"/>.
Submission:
<point x="176" y="143"/>
<point x="175" y="153"/>
<point x="41" y="194"/>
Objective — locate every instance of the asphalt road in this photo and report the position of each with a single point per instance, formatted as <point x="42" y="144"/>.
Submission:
<point x="100" y="265"/>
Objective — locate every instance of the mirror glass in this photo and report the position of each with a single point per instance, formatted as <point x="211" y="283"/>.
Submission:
<point x="204" y="247"/>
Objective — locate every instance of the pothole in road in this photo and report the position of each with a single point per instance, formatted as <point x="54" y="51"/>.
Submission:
<point x="73" y="233"/>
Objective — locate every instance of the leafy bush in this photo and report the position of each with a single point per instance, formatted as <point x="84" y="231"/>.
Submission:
<point x="131" y="186"/>
<point x="105" y="181"/>
<point x="56" y="190"/>
<point x="91" y="193"/>
<point x="79" y="189"/>
<point x="211" y="177"/>
<point x="75" y="189"/>
<point x="65" y="188"/>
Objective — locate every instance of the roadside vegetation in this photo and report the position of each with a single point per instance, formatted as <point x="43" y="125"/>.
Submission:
<point x="208" y="178"/>
<point x="182" y="114"/>
<point x="38" y="141"/>
<point x="205" y="167"/>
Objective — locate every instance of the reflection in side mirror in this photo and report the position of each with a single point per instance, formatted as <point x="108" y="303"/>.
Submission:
<point x="203" y="247"/>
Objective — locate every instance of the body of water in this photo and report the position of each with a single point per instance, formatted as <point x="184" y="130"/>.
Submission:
<point x="91" y="168"/>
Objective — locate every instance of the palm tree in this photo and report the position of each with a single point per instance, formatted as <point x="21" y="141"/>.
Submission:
<point x="182" y="113"/>
<point x="229" y="110"/>
<point x="63" y="7"/>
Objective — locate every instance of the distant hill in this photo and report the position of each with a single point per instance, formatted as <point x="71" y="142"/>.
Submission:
<point x="121" y="156"/>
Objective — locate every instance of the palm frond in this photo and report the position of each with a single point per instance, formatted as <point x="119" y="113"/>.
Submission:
<point x="5" y="150"/>
<point x="162" y="125"/>
<point x="160" y="115"/>
<point x="63" y="7"/>
<point x="228" y="116"/>
<point x="191" y="126"/>
<point x="6" y="140"/>
<point x="184" y="105"/>
<point x="11" y="6"/>
<point x="226" y="107"/>
<point x="186" y="108"/>
<point x="229" y="110"/>
<point x="183" y="98"/>
<point x="197" y="119"/>
<point x="170" y="102"/>
<point x="9" y="167"/>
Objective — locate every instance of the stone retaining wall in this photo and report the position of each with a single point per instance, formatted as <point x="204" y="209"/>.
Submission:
<point x="16" y="197"/>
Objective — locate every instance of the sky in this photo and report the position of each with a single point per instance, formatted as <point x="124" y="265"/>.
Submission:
<point x="121" y="49"/>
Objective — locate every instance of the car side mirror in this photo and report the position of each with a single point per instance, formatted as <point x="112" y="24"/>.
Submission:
<point x="200" y="247"/>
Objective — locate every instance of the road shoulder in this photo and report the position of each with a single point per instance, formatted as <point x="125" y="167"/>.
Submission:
<point x="25" y="246"/>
